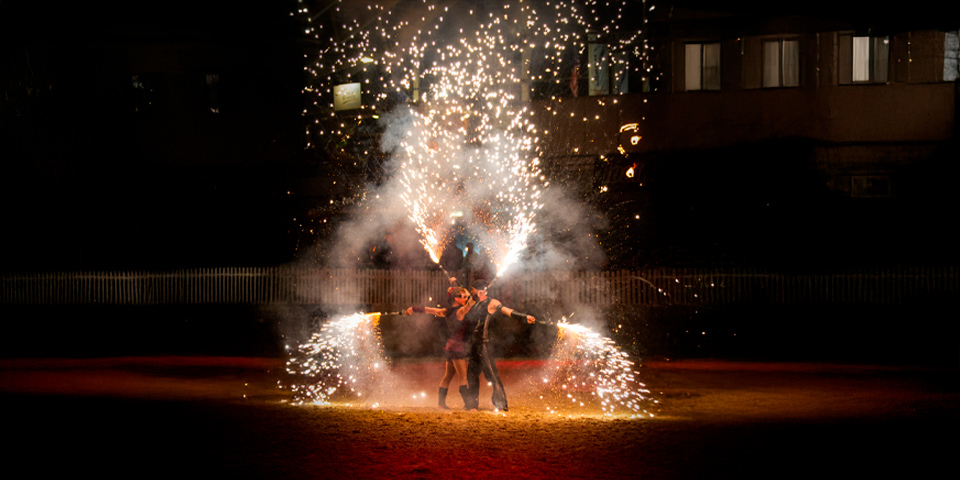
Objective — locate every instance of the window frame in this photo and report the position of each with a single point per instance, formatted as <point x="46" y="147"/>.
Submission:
<point x="873" y="59"/>
<point x="781" y="43"/>
<point x="702" y="73"/>
<point x="951" y="64"/>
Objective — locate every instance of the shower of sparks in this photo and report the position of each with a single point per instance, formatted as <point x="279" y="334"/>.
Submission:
<point x="496" y="183"/>
<point x="464" y="138"/>
<point x="587" y="370"/>
<point x="342" y="362"/>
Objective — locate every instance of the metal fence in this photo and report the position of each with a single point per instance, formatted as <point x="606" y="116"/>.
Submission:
<point x="391" y="289"/>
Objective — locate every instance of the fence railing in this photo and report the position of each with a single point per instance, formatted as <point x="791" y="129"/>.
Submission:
<point x="392" y="289"/>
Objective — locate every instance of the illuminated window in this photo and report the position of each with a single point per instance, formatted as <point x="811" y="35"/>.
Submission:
<point x="951" y="57"/>
<point x="870" y="59"/>
<point x="702" y="66"/>
<point x="781" y="63"/>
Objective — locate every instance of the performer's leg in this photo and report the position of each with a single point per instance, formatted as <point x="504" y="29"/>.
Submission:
<point x="499" y="397"/>
<point x="442" y="398"/>
<point x="460" y="367"/>
<point x="465" y="395"/>
<point x="487" y="374"/>
<point x="449" y="370"/>
<point x="474" y="368"/>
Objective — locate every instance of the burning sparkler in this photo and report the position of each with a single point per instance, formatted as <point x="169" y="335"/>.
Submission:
<point x="588" y="369"/>
<point x="344" y="361"/>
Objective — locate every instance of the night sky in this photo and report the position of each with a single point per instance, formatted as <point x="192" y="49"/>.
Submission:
<point x="100" y="172"/>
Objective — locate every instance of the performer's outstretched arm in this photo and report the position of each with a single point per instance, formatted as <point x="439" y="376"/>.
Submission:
<point x="515" y="314"/>
<point x="439" y="312"/>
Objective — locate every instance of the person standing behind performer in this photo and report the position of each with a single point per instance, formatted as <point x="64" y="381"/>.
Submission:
<point x="480" y="358"/>
<point x="451" y="260"/>
<point x="470" y="264"/>
<point x="456" y="349"/>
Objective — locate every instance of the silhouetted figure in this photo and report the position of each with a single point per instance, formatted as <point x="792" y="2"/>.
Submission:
<point x="451" y="260"/>
<point x="471" y="264"/>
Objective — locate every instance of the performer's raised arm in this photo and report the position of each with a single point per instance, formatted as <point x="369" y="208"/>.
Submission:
<point x="437" y="312"/>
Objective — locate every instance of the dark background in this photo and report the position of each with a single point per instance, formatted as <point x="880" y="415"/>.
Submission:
<point x="99" y="174"/>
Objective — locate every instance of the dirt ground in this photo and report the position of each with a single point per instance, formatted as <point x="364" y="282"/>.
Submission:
<point x="225" y="417"/>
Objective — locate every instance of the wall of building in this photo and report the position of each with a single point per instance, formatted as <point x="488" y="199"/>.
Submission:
<point x="890" y="113"/>
<point x="860" y="129"/>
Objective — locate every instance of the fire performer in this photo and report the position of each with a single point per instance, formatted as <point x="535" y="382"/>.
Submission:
<point x="480" y="357"/>
<point x="456" y="349"/>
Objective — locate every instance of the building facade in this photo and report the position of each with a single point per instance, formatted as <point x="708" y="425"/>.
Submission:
<point x="867" y="102"/>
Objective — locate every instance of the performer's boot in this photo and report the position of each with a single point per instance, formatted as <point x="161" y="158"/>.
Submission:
<point x="475" y="398"/>
<point x="499" y="397"/>
<point x="465" y="395"/>
<point x="442" y="398"/>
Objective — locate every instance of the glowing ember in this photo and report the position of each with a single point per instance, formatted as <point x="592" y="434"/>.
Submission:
<point x="344" y="361"/>
<point x="589" y="370"/>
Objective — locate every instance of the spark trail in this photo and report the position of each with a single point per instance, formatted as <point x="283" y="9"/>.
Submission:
<point x="586" y="369"/>
<point x="343" y="362"/>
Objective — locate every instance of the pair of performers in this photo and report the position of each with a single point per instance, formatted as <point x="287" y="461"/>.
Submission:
<point x="467" y="351"/>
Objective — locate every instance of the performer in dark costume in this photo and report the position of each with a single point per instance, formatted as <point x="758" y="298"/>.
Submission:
<point x="456" y="349"/>
<point x="481" y="360"/>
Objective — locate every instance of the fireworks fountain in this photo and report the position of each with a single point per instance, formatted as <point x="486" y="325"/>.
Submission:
<point x="342" y="362"/>
<point x="463" y="143"/>
<point x="586" y="371"/>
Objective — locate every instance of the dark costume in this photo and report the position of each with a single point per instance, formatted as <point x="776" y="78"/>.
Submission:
<point x="451" y="260"/>
<point x="470" y="265"/>
<point x="481" y="360"/>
